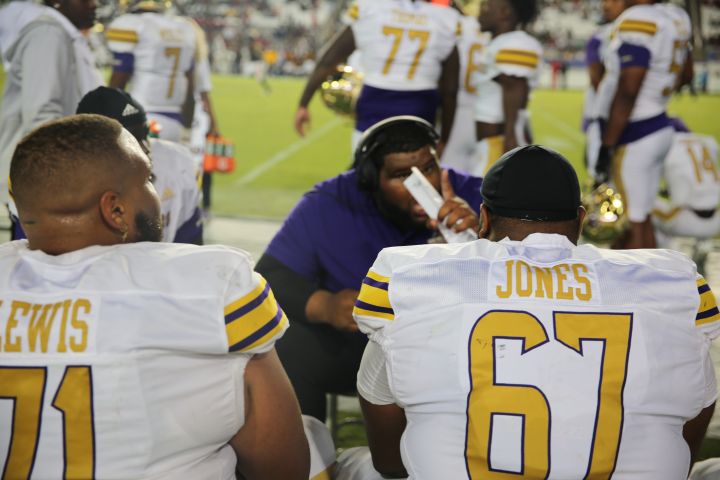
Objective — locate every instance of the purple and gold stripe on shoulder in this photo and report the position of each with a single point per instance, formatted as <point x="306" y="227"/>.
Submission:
<point x="120" y="35"/>
<point x="638" y="26"/>
<point x="523" y="58"/>
<point x="253" y="319"/>
<point x="373" y="300"/>
<point x="708" y="310"/>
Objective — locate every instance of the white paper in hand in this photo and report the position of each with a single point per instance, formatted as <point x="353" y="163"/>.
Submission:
<point x="430" y="200"/>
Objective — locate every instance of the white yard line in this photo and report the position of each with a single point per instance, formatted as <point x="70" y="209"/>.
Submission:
<point x="574" y="134"/>
<point x="286" y="153"/>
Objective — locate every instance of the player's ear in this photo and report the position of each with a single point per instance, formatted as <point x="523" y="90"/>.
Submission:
<point x="484" y="231"/>
<point x="581" y="219"/>
<point x="114" y="214"/>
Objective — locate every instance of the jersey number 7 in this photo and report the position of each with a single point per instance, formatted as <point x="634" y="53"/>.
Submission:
<point x="489" y="398"/>
<point x="25" y="387"/>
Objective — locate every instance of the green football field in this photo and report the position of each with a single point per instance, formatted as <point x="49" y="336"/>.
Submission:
<point x="275" y="166"/>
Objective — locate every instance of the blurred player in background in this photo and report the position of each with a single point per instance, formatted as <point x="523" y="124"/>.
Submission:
<point x="155" y="360"/>
<point x="692" y="179"/>
<point x="527" y="356"/>
<point x="14" y="16"/>
<point x="204" y="122"/>
<point x="460" y="150"/>
<point x="176" y="173"/>
<point x="154" y="53"/>
<point x="409" y="62"/>
<point x="594" y="53"/>
<point x="50" y="68"/>
<point x="643" y="69"/>
<point x="318" y="258"/>
<point x="508" y="71"/>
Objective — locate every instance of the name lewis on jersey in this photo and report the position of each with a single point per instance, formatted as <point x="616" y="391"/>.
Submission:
<point x="61" y="326"/>
<point x="517" y="279"/>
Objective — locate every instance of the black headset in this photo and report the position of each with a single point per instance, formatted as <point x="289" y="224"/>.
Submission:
<point x="365" y="168"/>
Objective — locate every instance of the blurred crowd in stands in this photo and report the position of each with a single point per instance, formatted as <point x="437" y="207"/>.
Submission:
<point x="281" y="37"/>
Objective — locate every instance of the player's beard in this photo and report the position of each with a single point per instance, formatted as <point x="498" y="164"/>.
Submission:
<point x="396" y="215"/>
<point x="148" y="230"/>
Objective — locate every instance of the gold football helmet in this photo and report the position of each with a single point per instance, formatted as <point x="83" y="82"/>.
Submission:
<point x="606" y="219"/>
<point x="341" y="90"/>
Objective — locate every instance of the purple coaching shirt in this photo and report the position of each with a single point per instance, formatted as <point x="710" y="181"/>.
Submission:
<point x="335" y="232"/>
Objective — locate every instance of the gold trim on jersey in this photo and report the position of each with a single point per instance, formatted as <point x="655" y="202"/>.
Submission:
<point x="120" y="35"/>
<point x="253" y="319"/>
<point x="708" y="309"/>
<point x="374" y="300"/>
<point x="666" y="216"/>
<point x="638" y="26"/>
<point x="354" y="11"/>
<point x="524" y="58"/>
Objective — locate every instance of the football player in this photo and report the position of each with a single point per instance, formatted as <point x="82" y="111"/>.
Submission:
<point x="155" y="52"/>
<point x="176" y="173"/>
<point x="525" y="355"/>
<point x="409" y="61"/>
<point x="460" y="150"/>
<point x="138" y="359"/>
<point x="693" y="185"/>
<point x="594" y="51"/>
<point x="643" y="67"/>
<point x="509" y="69"/>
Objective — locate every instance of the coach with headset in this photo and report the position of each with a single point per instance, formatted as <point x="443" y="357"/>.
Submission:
<point x="318" y="259"/>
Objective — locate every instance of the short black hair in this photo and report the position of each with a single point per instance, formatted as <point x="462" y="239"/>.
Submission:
<point x="402" y="137"/>
<point x="60" y="155"/>
<point x="525" y="10"/>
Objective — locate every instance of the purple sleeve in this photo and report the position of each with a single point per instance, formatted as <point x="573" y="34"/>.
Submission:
<point x="592" y="51"/>
<point x="633" y="56"/>
<point x="467" y="187"/>
<point x="123" y="62"/>
<point x="295" y="244"/>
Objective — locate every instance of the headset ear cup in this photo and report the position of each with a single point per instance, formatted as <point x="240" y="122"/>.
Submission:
<point x="367" y="173"/>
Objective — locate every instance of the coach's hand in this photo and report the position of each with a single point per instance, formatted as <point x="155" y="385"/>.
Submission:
<point x="602" y="167"/>
<point x="455" y="212"/>
<point x="334" y="309"/>
<point x="302" y="118"/>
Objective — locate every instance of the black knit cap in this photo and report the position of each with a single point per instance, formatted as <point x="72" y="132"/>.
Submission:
<point x="113" y="103"/>
<point x="532" y="183"/>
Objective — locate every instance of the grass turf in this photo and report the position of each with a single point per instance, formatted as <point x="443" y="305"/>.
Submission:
<point x="275" y="166"/>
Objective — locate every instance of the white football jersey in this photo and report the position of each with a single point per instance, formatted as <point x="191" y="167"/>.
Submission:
<point x="541" y="357"/>
<point x="163" y="49"/>
<point x="691" y="171"/>
<point x="664" y="33"/>
<point x="177" y="183"/>
<point x="460" y="150"/>
<point x="127" y="361"/>
<point x="515" y="54"/>
<point x="403" y="42"/>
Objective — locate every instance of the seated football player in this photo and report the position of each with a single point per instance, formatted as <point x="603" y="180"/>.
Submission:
<point x="139" y="359"/>
<point x="524" y="355"/>
<point x="175" y="170"/>
<point x="693" y="187"/>
<point x="318" y="259"/>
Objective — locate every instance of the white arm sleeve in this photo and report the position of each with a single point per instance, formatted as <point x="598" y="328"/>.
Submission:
<point x="372" y="381"/>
